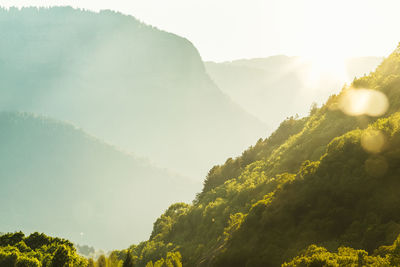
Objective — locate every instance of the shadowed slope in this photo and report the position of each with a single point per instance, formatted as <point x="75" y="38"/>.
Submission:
<point x="128" y="83"/>
<point x="56" y="178"/>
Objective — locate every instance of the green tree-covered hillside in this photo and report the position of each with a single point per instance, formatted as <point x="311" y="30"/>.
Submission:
<point x="326" y="182"/>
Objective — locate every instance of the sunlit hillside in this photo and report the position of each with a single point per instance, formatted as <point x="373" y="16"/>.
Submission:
<point x="199" y="133"/>
<point x="329" y="180"/>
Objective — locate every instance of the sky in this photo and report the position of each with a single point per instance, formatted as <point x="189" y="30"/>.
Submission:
<point x="224" y="30"/>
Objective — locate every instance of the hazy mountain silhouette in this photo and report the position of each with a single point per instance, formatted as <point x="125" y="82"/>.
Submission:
<point x="277" y="87"/>
<point x="58" y="179"/>
<point x="128" y="83"/>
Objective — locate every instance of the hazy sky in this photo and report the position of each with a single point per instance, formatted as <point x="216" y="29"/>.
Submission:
<point x="231" y="29"/>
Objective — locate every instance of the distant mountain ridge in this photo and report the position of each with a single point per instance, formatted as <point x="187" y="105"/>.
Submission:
<point x="58" y="179"/>
<point x="128" y="83"/>
<point x="276" y="87"/>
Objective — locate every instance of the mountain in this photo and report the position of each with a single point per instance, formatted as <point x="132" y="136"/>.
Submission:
<point x="278" y="87"/>
<point x="128" y="83"/>
<point x="55" y="178"/>
<point x="320" y="191"/>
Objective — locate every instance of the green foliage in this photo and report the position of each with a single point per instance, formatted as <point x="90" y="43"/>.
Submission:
<point x="38" y="250"/>
<point x="311" y="182"/>
<point x="233" y="167"/>
<point x="37" y="240"/>
<point x="102" y="71"/>
<point x="90" y="263"/>
<point x="62" y="257"/>
<point x="159" y="263"/>
<point x="128" y="262"/>
<point x="318" y="256"/>
<point x="172" y="259"/>
<point x="101" y="261"/>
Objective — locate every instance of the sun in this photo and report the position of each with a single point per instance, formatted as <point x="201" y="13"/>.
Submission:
<point x="323" y="67"/>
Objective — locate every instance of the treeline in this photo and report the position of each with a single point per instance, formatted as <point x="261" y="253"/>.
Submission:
<point x="319" y="256"/>
<point x="313" y="183"/>
<point x="38" y="250"/>
<point x="315" y="193"/>
<point x="320" y="191"/>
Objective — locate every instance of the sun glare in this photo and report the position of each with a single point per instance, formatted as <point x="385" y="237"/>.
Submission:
<point x="322" y="67"/>
<point x="373" y="141"/>
<point x="356" y="102"/>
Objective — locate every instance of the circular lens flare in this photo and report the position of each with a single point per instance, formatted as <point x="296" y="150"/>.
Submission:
<point x="373" y="141"/>
<point x="356" y="102"/>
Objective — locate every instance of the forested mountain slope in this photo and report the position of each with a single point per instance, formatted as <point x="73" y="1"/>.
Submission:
<point x="126" y="82"/>
<point x="57" y="179"/>
<point x="277" y="87"/>
<point x="330" y="179"/>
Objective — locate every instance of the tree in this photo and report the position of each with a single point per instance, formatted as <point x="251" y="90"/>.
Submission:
<point x="37" y="240"/>
<point x="159" y="263"/>
<point x="90" y="263"/>
<point x="101" y="261"/>
<point x="313" y="108"/>
<point x="27" y="262"/>
<point x="62" y="257"/>
<point x="128" y="261"/>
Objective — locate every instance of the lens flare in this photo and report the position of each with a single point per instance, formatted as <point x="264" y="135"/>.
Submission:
<point x="356" y="102"/>
<point x="373" y="141"/>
